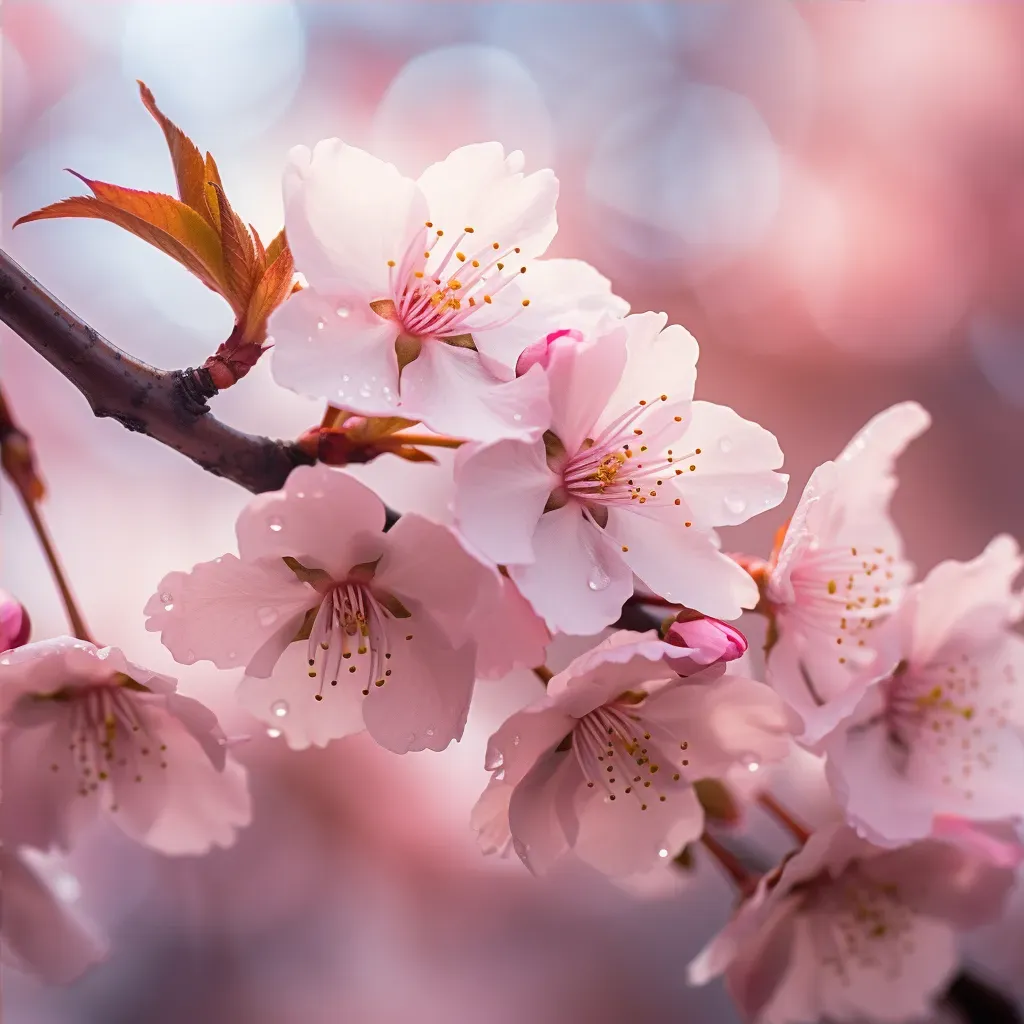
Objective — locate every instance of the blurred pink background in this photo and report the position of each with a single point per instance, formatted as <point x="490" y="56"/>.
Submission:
<point x="829" y="194"/>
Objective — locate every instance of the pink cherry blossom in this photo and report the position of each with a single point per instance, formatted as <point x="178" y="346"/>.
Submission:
<point x="385" y="631"/>
<point x="14" y="622"/>
<point x="424" y="292"/>
<point x="41" y="930"/>
<point x="632" y="477"/>
<point x="848" y="932"/>
<point x="938" y="729"/>
<point x="85" y="730"/>
<point x="603" y="763"/>
<point x="840" y="568"/>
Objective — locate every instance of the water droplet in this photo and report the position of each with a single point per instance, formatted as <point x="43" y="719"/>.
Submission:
<point x="515" y="741"/>
<point x="599" y="579"/>
<point x="267" y="615"/>
<point x="232" y="654"/>
<point x="499" y="775"/>
<point x="517" y="417"/>
<point x="319" y="325"/>
<point x="430" y="732"/>
<point x="495" y="760"/>
<point x="279" y="708"/>
<point x="522" y="850"/>
<point x="300" y="494"/>
<point x="190" y="657"/>
<point x="725" y="445"/>
<point x="166" y="597"/>
<point x="275" y="524"/>
<point x="751" y="763"/>
<point x="5" y="661"/>
<point x="168" y="607"/>
<point x="345" y="377"/>
<point x="273" y="733"/>
<point x="735" y="504"/>
<point x="343" y="312"/>
<point x="663" y="853"/>
<point x="364" y="391"/>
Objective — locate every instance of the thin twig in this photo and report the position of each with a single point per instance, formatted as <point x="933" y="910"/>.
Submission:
<point x="731" y="864"/>
<point x="784" y="817"/>
<point x="159" y="403"/>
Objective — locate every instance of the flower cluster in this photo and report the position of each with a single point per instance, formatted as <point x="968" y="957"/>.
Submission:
<point x="589" y="485"/>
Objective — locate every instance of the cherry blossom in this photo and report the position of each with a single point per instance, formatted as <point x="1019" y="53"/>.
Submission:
<point x="840" y="567"/>
<point x="14" y="622"/>
<point x="385" y="631"/>
<point x="424" y="292"/>
<point x="711" y="639"/>
<point x="632" y="477"/>
<point x="603" y="763"/>
<point x="937" y="730"/>
<point x="41" y="930"/>
<point x="845" y="931"/>
<point x="85" y="730"/>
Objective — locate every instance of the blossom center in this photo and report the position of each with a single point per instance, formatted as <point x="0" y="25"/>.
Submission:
<point x="628" y="462"/>
<point x="350" y="637"/>
<point x="434" y="290"/>
<point x="616" y="752"/>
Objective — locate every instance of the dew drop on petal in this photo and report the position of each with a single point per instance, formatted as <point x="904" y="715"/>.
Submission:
<point x="430" y="732"/>
<point x="346" y="377"/>
<point x="499" y="775"/>
<point x="735" y="504"/>
<point x="494" y="762"/>
<point x="275" y="524"/>
<point x="166" y="597"/>
<point x="725" y="445"/>
<point x="273" y="733"/>
<point x="750" y="763"/>
<point x="168" y="607"/>
<point x="515" y="741"/>
<point x="663" y="853"/>
<point x="267" y="615"/>
<point x="364" y="391"/>
<point x="517" y="417"/>
<point x="319" y="325"/>
<point x="279" y="708"/>
<point x="599" y="579"/>
<point x="190" y="657"/>
<point x="343" y="312"/>
<point x="232" y="654"/>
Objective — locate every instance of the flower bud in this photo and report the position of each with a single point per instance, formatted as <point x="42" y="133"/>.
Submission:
<point x="708" y="639"/>
<point x="14" y="622"/>
<point x="540" y="351"/>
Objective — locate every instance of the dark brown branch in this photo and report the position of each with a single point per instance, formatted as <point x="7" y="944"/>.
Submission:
<point x="164" y="404"/>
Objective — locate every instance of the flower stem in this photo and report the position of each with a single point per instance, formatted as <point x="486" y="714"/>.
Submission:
<point x="783" y="817"/>
<point x="733" y="866"/>
<point x="428" y="440"/>
<point x="543" y="673"/>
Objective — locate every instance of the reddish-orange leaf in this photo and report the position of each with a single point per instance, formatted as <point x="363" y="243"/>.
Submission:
<point x="212" y="184"/>
<point x="277" y="243"/>
<point x="239" y="255"/>
<point x="273" y="288"/>
<point x="261" y="253"/>
<point x="189" y="169"/>
<point x="163" y="221"/>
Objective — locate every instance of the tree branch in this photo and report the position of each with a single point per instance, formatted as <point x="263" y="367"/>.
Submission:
<point x="166" y="405"/>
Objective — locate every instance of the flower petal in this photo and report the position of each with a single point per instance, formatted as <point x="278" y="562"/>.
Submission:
<point x="478" y="186"/>
<point x="346" y="214"/>
<point x="450" y="389"/>
<point x="525" y="737"/>
<point x="578" y="581"/>
<point x="682" y="564"/>
<point x="286" y="702"/>
<point x="424" y="703"/>
<point x="500" y="493"/>
<point x="734" y="479"/>
<point x="330" y="347"/>
<point x="224" y="611"/>
<point x="323" y="517"/>
<point x="509" y="634"/>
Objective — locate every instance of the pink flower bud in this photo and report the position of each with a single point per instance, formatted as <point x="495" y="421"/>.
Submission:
<point x="709" y="639"/>
<point x="540" y="351"/>
<point x="14" y="622"/>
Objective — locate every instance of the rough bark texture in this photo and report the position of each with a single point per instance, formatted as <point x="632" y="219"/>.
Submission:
<point x="169" y="406"/>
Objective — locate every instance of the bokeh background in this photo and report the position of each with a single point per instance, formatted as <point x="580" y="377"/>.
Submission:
<point x="829" y="194"/>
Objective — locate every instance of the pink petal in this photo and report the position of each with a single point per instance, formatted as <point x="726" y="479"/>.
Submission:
<point x="424" y="703"/>
<point x="303" y="521"/>
<point x="347" y="213"/>
<point x="579" y="580"/>
<point x="735" y="476"/>
<point x="620" y="838"/>
<point x="526" y="737"/>
<point x="489" y="818"/>
<point x="224" y="611"/>
<point x="338" y="349"/>
<point x="682" y="564"/>
<point x="500" y="493"/>
<point x="509" y="634"/>
<point x="451" y="390"/>
<point x="286" y="703"/>
<point x="426" y="564"/>
<point x="42" y="933"/>
<point x="563" y="294"/>
<point x="479" y="186"/>
<point x="581" y="378"/>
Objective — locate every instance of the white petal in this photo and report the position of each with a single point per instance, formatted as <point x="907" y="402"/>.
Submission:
<point x="347" y="213"/>
<point x="347" y="358"/>
<point x="578" y="581"/>
<point x="500" y="493"/>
